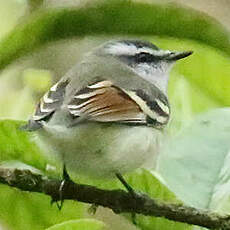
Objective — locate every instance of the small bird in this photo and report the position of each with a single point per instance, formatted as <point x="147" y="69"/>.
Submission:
<point x="104" y="117"/>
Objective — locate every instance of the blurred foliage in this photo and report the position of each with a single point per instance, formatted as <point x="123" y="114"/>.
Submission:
<point x="112" y="17"/>
<point x="18" y="145"/>
<point x="146" y="182"/>
<point x="195" y="163"/>
<point x="23" y="210"/>
<point x="197" y="84"/>
<point x="82" y="224"/>
<point x="37" y="80"/>
<point x="15" y="9"/>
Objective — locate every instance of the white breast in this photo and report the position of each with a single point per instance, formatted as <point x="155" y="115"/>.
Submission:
<point x="155" y="74"/>
<point x="101" y="150"/>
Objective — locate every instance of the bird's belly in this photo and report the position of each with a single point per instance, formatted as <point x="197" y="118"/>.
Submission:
<point x="101" y="150"/>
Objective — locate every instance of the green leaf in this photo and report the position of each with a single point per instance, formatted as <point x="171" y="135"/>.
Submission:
<point x="82" y="224"/>
<point x="112" y="17"/>
<point x="22" y="210"/>
<point x="146" y="182"/>
<point x="16" y="144"/>
<point x="37" y="80"/>
<point x="195" y="163"/>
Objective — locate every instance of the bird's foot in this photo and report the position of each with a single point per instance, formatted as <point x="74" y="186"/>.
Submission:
<point x="66" y="178"/>
<point x="131" y="192"/>
<point x="128" y="187"/>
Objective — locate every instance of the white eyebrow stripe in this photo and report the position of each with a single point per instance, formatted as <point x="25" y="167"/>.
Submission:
<point x="158" y="53"/>
<point x="145" y="50"/>
<point x="130" y="49"/>
<point x="121" y="49"/>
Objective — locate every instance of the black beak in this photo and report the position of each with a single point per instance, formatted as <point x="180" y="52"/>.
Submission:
<point x="174" y="56"/>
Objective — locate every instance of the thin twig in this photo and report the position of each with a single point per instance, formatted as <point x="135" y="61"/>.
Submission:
<point x="117" y="200"/>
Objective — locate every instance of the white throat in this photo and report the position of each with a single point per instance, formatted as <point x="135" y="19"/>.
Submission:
<point x="156" y="75"/>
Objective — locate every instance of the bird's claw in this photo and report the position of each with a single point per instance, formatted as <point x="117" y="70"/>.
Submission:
<point x="66" y="178"/>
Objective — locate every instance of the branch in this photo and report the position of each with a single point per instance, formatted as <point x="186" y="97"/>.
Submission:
<point x="117" y="200"/>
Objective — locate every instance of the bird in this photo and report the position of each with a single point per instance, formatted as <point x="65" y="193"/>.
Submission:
<point x="104" y="117"/>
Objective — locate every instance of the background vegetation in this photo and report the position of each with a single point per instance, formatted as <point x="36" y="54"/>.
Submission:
<point x="194" y="164"/>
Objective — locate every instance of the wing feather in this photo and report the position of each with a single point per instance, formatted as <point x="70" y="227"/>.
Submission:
<point x="48" y="104"/>
<point x="105" y="102"/>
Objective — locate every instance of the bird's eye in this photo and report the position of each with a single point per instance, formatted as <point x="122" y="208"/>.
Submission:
<point x="143" y="57"/>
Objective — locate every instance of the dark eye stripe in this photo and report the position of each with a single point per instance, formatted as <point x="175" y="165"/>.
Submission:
<point x="144" y="57"/>
<point x="139" y="58"/>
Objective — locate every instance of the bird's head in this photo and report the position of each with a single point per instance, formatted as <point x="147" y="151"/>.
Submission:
<point x="144" y="58"/>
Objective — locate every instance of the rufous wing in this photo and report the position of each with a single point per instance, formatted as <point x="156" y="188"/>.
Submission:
<point x="105" y="102"/>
